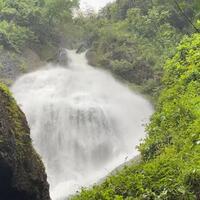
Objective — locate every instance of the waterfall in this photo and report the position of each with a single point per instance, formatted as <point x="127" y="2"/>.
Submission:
<point x="83" y="122"/>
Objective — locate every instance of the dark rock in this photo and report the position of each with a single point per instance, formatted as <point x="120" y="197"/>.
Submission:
<point x="22" y="174"/>
<point x="9" y="66"/>
<point x="83" y="47"/>
<point x="62" y="57"/>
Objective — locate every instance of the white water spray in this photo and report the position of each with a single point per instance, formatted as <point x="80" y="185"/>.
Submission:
<point x="83" y="122"/>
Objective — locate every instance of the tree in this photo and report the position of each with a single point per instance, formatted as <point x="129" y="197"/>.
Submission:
<point x="60" y="10"/>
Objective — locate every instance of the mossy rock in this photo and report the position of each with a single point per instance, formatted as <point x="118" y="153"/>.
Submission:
<point x="22" y="173"/>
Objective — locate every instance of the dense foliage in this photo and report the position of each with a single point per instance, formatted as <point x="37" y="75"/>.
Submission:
<point x="133" y="38"/>
<point x="30" y="33"/>
<point x="31" y="23"/>
<point x="170" y="167"/>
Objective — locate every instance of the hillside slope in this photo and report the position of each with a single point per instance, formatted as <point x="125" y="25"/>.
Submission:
<point x="170" y="167"/>
<point x="133" y="38"/>
<point x="30" y="32"/>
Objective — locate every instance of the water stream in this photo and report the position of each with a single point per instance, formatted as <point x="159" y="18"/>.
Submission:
<point x="83" y="122"/>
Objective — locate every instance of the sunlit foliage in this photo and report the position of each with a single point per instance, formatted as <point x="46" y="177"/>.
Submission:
<point x="170" y="167"/>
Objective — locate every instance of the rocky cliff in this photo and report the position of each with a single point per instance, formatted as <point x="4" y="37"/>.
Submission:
<point x="22" y="174"/>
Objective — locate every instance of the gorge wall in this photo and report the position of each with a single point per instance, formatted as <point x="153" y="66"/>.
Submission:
<point x="22" y="174"/>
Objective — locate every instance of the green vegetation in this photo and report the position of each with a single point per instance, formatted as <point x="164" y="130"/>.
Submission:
<point x="133" y="39"/>
<point x="170" y="167"/>
<point x="34" y="25"/>
<point x="28" y="23"/>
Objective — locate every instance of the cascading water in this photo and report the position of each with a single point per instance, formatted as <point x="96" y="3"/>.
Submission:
<point x="83" y="122"/>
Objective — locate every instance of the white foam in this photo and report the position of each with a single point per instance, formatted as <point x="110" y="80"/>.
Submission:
<point x="83" y="122"/>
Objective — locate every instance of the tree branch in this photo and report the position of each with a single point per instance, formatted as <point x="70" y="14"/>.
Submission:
<point x="186" y="17"/>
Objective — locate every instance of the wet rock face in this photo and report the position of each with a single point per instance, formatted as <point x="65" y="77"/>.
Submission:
<point x="62" y="57"/>
<point x="22" y="174"/>
<point x="9" y="67"/>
